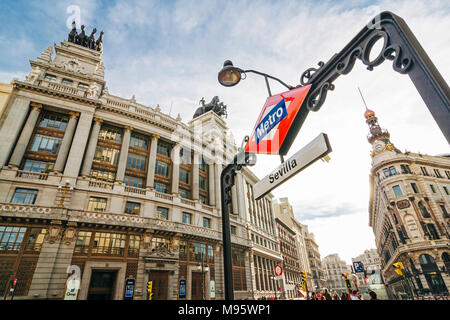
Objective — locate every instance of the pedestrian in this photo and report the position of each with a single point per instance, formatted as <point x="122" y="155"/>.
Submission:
<point x="314" y="296"/>
<point x="373" y="295"/>
<point x="353" y="295"/>
<point x="336" y="296"/>
<point x="327" y="295"/>
<point x="344" y="296"/>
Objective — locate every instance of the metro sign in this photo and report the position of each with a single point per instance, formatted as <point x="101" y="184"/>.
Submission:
<point x="272" y="133"/>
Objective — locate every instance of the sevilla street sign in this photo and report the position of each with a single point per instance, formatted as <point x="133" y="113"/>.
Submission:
<point x="316" y="149"/>
<point x="272" y="133"/>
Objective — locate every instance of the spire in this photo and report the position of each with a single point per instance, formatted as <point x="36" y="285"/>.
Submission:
<point x="375" y="130"/>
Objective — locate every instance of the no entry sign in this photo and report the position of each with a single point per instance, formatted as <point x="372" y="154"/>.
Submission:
<point x="278" y="270"/>
<point x="272" y="133"/>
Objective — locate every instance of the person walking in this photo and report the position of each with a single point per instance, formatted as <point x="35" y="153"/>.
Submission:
<point x="354" y="296"/>
<point x="344" y="296"/>
<point x="373" y="295"/>
<point x="327" y="295"/>
<point x="336" y="296"/>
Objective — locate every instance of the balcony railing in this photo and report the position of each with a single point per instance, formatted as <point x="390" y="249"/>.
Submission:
<point x="31" y="175"/>
<point x="134" y="190"/>
<point x="101" y="184"/>
<point x="163" y="196"/>
<point x="188" y="202"/>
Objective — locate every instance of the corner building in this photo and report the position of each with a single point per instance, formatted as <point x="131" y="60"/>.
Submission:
<point x="112" y="188"/>
<point x="409" y="213"/>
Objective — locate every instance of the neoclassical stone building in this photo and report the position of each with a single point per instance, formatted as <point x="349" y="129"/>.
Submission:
<point x="117" y="190"/>
<point x="409" y="210"/>
<point x="333" y="268"/>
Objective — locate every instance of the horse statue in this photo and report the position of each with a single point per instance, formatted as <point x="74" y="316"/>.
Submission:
<point x="73" y="34"/>
<point x="81" y="38"/>
<point x="99" y="42"/>
<point x="214" y="105"/>
<point x="91" y="40"/>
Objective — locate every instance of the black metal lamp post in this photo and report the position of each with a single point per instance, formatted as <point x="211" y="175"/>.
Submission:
<point x="204" y="268"/>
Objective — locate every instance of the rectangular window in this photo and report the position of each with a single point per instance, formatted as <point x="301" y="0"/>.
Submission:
<point x="53" y="120"/>
<point x="163" y="148"/>
<point x="206" y="222"/>
<point x="136" y="162"/>
<point x="97" y="204"/>
<point x="160" y="242"/>
<point x="187" y="218"/>
<point x="415" y="188"/>
<point x="184" y="175"/>
<point x="24" y="196"/>
<point x="101" y="175"/>
<point x="132" y="207"/>
<point x="83" y="86"/>
<point x="37" y="166"/>
<point x="202" y="183"/>
<point x="138" y="141"/>
<point x="42" y="143"/>
<point x="432" y="188"/>
<point x="133" y="181"/>
<point x="35" y="239"/>
<point x="160" y="187"/>
<point x="233" y="230"/>
<point x="202" y="164"/>
<point x="386" y="172"/>
<point x="438" y="173"/>
<point x="446" y="191"/>
<point x="203" y="199"/>
<point x="424" y="171"/>
<point x="11" y="237"/>
<point x="163" y="213"/>
<point x="405" y="168"/>
<point x="397" y="191"/>
<point x="50" y="77"/>
<point x="185" y="156"/>
<point x="447" y="173"/>
<point x="108" y="155"/>
<point x="184" y="193"/>
<point x="392" y="171"/>
<point x="67" y="82"/>
<point x="109" y="243"/>
<point x="162" y="168"/>
<point x="110" y="134"/>
<point x="83" y="241"/>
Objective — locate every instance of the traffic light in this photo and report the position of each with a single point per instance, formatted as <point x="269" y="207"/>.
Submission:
<point x="303" y="275"/>
<point x="149" y="286"/>
<point x="344" y="275"/>
<point x="398" y="267"/>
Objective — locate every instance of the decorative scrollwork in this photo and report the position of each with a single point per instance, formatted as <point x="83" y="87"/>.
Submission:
<point x="308" y="74"/>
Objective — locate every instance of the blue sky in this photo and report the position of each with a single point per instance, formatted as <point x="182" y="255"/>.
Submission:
<point x="169" y="53"/>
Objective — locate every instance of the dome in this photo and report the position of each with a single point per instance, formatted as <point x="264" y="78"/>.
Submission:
<point x="369" y="113"/>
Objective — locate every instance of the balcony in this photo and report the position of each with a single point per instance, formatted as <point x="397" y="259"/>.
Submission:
<point x="101" y="184"/>
<point x="135" y="190"/>
<point x="31" y="175"/>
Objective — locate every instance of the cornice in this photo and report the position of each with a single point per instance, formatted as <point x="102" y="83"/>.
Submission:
<point x="53" y="67"/>
<point x="68" y="96"/>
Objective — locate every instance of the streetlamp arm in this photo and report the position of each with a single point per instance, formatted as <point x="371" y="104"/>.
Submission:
<point x="269" y="76"/>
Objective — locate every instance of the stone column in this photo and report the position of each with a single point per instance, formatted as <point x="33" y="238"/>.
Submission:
<point x="15" y="117"/>
<point x="65" y="145"/>
<point x="123" y="154"/>
<point x="212" y="192"/>
<point x="25" y="135"/>
<point x="195" y="177"/>
<point x="152" y="162"/>
<point x="90" y="152"/>
<point x="80" y="139"/>
<point x="175" y="167"/>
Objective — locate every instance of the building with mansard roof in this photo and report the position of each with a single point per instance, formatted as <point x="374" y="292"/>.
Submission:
<point x="409" y="210"/>
<point x="112" y="192"/>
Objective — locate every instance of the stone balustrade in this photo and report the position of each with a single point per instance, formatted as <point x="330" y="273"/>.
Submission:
<point x="31" y="175"/>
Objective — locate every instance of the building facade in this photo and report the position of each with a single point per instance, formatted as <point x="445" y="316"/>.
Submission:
<point x="5" y="93"/>
<point x="371" y="279"/>
<point x="104" y="189"/>
<point x="317" y="276"/>
<point x="333" y="268"/>
<point x="409" y="213"/>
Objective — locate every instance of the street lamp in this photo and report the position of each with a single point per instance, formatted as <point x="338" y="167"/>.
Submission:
<point x="203" y="268"/>
<point x="230" y="76"/>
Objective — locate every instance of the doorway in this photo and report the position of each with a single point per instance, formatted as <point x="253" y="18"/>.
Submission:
<point x="160" y="284"/>
<point x="102" y="285"/>
<point x="196" y="287"/>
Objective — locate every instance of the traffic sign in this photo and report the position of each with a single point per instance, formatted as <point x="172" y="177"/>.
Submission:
<point x="358" y="266"/>
<point x="278" y="270"/>
<point x="272" y="132"/>
<point x="313" y="151"/>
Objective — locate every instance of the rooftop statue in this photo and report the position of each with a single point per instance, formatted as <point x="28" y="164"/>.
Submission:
<point x="85" y="41"/>
<point x="215" y="105"/>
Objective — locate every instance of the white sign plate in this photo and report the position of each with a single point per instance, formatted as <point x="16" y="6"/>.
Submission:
<point x="316" y="149"/>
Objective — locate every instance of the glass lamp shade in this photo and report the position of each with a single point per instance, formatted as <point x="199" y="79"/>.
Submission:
<point x="229" y="75"/>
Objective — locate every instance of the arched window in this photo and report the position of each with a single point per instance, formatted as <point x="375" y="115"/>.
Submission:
<point x="424" y="210"/>
<point x="426" y="259"/>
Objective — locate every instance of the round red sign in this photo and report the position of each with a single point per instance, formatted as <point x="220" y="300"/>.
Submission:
<point x="278" y="270"/>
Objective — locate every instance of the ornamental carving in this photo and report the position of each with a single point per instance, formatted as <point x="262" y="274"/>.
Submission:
<point x="403" y="204"/>
<point x="161" y="250"/>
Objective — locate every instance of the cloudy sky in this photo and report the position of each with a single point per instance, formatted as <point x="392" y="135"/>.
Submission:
<point x="169" y="53"/>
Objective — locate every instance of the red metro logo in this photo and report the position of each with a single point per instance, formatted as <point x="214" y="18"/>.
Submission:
<point x="275" y="120"/>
